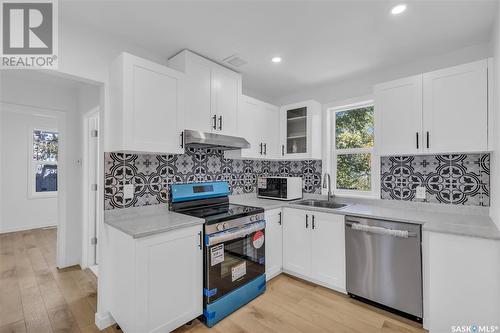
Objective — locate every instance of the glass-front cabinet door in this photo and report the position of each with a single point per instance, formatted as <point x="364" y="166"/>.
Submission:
<point x="296" y="131"/>
<point x="301" y="130"/>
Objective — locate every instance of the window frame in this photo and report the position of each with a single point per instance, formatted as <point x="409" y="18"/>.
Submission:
<point x="32" y="165"/>
<point x="374" y="159"/>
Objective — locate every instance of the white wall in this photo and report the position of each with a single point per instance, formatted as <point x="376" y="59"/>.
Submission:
<point x="45" y="95"/>
<point x="362" y="84"/>
<point x="19" y="212"/>
<point x="87" y="54"/>
<point x="495" y="126"/>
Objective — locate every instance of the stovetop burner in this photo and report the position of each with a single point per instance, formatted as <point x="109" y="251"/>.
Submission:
<point x="222" y="212"/>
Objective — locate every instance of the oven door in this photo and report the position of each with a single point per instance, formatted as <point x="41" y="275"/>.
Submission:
<point x="272" y="188"/>
<point x="233" y="258"/>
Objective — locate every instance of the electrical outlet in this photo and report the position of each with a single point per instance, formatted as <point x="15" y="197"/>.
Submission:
<point x="421" y="194"/>
<point x="128" y="191"/>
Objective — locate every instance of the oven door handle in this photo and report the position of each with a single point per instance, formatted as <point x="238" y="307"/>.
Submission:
<point x="231" y="234"/>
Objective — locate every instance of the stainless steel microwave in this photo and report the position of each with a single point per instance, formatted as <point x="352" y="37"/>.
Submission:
<point x="279" y="188"/>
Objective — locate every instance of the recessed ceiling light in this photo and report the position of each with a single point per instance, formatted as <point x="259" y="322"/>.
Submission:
<point x="276" y="59"/>
<point x="398" y="9"/>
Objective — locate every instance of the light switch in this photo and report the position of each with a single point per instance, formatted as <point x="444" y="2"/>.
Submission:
<point x="128" y="191"/>
<point x="421" y="194"/>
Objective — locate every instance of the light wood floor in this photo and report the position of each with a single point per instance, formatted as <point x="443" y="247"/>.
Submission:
<point x="37" y="297"/>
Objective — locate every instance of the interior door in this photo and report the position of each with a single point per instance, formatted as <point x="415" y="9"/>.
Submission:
<point x="456" y="109"/>
<point x="328" y="249"/>
<point x="296" y="241"/>
<point x="274" y="243"/>
<point x="226" y="88"/>
<point x="398" y="116"/>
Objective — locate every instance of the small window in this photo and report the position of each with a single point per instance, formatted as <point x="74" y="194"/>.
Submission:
<point x="353" y="149"/>
<point x="44" y="156"/>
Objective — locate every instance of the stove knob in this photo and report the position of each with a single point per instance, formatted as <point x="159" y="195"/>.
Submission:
<point x="252" y="218"/>
<point x="220" y="227"/>
<point x="226" y="226"/>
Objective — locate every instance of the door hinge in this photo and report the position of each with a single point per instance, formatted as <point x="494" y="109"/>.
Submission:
<point x="93" y="187"/>
<point x="94" y="133"/>
<point x="93" y="241"/>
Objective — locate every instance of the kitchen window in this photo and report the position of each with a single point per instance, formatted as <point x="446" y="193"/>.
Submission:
<point x="353" y="166"/>
<point x="43" y="157"/>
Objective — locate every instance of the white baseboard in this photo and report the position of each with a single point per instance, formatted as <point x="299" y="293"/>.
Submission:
<point x="272" y="275"/>
<point x="104" y="320"/>
<point x="326" y="285"/>
<point x="25" y="228"/>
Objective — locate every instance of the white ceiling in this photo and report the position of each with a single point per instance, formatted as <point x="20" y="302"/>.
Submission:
<point x="321" y="42"/>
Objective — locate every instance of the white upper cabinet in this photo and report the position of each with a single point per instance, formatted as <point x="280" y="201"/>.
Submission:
<point x="456" y="109"/>
<point x="146" y="113"/>
<point x="301" y="130"/>
<point x="444" y="111"/>
<point x="260" y="126"/>
<point x="212" y="94"/>
<point x="226" y="91"/>
<point x="398" y="112"/>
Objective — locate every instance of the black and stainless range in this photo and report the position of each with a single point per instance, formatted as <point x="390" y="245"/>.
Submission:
<point x="234" y="249"/>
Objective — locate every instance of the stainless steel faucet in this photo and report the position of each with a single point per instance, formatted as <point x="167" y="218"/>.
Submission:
<point x="327" y="184"/>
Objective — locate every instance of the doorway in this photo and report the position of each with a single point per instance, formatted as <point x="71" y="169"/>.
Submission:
<point x="28" y="101"/>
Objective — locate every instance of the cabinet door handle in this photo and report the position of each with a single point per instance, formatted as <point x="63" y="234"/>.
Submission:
<point x="265" y="148"/>
<point x="201" y="240"/>
<point x="280" y="218"/>
<point x="220" y="123"/>
<point x="282" y="150"/>
<point x="428" y="140"/>
<point x="313" y="225"/>
<point x="214" y="118"/>
<point x="261" y="145"/>
<point x="182" y="139"/>
<point x="307" y="221"/>
<point x="417" y="139"/>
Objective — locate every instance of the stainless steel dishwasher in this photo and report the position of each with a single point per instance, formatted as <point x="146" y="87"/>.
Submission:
<point x="384" y="264"/>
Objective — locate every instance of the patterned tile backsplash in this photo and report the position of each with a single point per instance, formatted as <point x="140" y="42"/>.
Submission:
<point x="152" y="174"/>
<point x="460" y="179"/>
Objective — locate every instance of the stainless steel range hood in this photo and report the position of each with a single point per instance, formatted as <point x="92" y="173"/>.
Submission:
<point x="199" y="139"/>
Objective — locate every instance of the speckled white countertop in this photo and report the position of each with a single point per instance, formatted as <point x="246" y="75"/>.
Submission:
<point x="458" y="220"/>
<point x="148" y="220"/>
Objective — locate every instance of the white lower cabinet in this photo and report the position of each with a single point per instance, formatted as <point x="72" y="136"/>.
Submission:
<point x="157" y="281"/>
<point x="274" y="243"/>
<point x="461" y="287"/>
<point x="296" y="242"/>
<point x="328" y="249"/>
<point x="314" y="247"/>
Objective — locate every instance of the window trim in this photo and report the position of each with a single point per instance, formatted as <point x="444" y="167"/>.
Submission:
<point x="32" y="194"/>
<point x="375" y="160"/>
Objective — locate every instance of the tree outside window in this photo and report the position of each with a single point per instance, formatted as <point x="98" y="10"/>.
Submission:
<point x="353" y="148"/>
<point x="44" y="157"/>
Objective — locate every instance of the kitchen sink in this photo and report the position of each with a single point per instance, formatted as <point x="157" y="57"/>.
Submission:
<point x="320" y="203"/>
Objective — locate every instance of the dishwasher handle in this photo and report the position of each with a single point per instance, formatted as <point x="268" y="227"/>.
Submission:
<point x="381" y="231"/>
